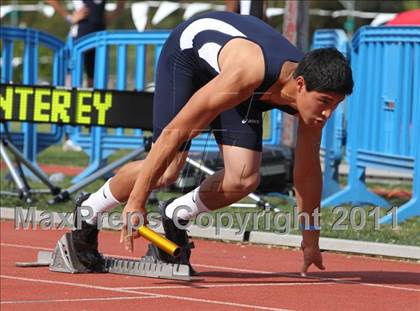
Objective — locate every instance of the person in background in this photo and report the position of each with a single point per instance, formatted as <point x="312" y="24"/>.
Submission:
<point x="88" y="16"/>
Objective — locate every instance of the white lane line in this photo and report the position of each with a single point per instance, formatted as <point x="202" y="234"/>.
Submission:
<point x="296" y="275"/>
<point x="7" y="302"/>
<point x="38" y="248"/>
<point x="217" y="302"/>
<point x="233" y="284"/>
<point x="98" y="287"/>
<point x="293" y="275"/>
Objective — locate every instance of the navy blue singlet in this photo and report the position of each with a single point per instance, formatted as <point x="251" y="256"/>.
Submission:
<point x="189" y="60"/>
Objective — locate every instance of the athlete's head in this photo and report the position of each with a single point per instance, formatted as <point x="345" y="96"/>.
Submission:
<point x="323" y="79"/>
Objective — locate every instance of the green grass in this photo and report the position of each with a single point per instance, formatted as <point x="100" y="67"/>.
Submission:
<point x="405" y="233"/>
<point x="55" y="155"/>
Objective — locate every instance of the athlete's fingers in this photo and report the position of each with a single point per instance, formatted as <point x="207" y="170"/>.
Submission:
<point x="305" y="267"/>
<point x="319" y="264"/>
<point x="129" y="243"/>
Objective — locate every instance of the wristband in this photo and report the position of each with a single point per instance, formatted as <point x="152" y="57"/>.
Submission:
<point x="69" y="19"/>
<point x="309" y="228"/>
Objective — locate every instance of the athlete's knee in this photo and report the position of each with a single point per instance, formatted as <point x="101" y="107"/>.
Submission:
<point x="245" y="184"/>
<point x="172" y="171"/>
<point x="252" y="182"/>
<point x="169" y="177"/>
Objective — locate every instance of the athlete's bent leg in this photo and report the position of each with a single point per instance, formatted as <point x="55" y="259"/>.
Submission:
<point x="240" y="177"/>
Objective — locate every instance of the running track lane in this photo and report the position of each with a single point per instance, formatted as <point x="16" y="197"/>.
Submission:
<point x="236" y="277"/>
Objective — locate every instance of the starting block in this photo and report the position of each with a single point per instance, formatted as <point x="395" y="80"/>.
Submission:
<point x="63" y="259"/>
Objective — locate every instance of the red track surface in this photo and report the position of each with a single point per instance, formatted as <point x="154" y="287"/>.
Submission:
<point x="236" y="277"/>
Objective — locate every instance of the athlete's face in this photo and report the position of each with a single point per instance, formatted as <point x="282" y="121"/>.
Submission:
<point x="315" y="108"/>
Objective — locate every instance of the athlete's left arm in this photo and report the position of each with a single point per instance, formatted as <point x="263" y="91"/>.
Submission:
<point x="307" y="177"/>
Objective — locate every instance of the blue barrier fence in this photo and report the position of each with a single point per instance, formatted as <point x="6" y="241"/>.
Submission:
<point x="334" y="133"/>
<point x="383" y="113"/>
<point x="26" y="136"/>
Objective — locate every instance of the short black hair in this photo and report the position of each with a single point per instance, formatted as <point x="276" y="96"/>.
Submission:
<point x="326" y="70"/>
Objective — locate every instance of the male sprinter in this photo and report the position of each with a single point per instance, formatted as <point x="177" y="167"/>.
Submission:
<point x="223" y="70"/>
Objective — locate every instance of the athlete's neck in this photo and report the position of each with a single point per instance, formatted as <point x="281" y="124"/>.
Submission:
<point x="283" y="92"/>
<point x="287" y="82"/>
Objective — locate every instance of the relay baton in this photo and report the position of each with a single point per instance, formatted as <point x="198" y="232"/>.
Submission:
<point x="163" y="243"/>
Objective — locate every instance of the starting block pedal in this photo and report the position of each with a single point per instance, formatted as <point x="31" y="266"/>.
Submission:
<point x="64" y="259"/>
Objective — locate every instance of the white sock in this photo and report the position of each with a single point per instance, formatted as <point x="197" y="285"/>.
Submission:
<point x="193" y="206"/>
<point x="100" y="202"/>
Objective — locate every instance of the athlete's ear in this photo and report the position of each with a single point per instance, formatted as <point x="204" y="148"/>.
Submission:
<point x="300" y="83"/>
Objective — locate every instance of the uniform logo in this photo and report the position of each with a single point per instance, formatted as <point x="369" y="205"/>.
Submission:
<point x="250" y="121"/>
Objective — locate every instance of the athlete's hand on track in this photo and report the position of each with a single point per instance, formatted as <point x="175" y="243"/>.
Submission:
<point x="311" y="255"/>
